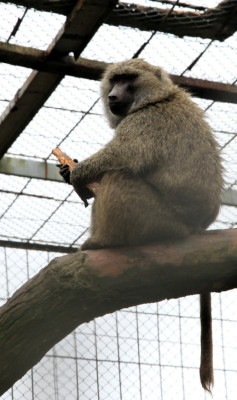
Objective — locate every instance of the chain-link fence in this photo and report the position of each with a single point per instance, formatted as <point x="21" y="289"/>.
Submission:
<point x="146" y="352"/>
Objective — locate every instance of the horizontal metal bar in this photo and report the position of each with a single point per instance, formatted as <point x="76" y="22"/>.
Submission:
<point x="29" y="168"/>
<point x="37" y="246"/>
<point x="229" y="197"/>
<point x="47" y="170"/>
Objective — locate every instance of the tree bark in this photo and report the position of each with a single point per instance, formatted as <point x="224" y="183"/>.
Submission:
<point x="76" y="288"/>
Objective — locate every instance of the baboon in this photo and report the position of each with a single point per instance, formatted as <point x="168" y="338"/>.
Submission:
<point x="160" y="176"/>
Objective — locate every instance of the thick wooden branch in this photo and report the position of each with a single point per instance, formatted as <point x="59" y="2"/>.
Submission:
<point x="76" y="288"/>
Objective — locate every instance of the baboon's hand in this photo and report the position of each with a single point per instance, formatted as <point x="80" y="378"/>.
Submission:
<point x="64" y="172"/>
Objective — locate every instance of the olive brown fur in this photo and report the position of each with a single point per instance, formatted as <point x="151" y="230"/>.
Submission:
<point x="160" y="176"/>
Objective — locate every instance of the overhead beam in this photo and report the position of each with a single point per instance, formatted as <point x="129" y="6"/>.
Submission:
<point x="37" y="59"/>
<point x="210" y="90"/>
<point x="75" y="34"/>
<point x="213" y="23"/>
<point x="32" y="58"/>
<point x="47" y="170"/>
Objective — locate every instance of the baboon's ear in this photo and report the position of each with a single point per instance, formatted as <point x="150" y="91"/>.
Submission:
<point x="158" y="72"/>
<point x="163" y="78"/>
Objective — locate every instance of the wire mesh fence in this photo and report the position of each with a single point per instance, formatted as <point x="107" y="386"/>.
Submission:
<point x="150" y="351"/>
<point x="146" y="352"/>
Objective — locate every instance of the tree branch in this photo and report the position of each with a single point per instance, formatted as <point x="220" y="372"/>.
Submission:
<point x="76" y="288"/>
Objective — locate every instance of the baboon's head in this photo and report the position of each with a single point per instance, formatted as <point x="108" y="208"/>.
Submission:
<point x="130" y="85"/>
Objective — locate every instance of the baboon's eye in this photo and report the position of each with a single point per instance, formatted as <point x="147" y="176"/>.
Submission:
<point x="122" y="78"/>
